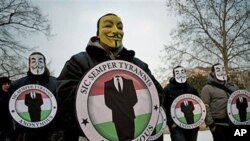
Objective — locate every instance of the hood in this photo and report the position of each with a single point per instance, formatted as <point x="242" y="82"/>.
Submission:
<point x="39" y="78"/>
<point x="4" y="80"/>
<point x="174" y="84"/>
<point x="211" y="79"/>
<point x="95" y="50"/>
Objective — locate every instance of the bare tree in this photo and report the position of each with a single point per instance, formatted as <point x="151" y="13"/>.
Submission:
<point x="210" y="31"/>
<point x="19" y="19"/>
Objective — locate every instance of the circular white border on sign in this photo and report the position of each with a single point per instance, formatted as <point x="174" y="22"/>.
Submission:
<point x="195" y="98"/>
<point x="229" y="106"/>
<point x="82" y="98"/>
<point x="29" y="124"/>
<point x="164" y="124"/>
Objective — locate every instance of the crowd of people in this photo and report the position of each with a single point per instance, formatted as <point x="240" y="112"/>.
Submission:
<point x="107" y="45"/>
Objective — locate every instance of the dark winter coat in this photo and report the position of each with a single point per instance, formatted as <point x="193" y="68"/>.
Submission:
<point x="79" y="65"/>
<point x="5" y="118"/>
<point x="172" y="91"/>
<point x="48" y="82"/>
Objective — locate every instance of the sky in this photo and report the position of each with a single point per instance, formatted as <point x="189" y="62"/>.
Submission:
<point x="146" y="24"/>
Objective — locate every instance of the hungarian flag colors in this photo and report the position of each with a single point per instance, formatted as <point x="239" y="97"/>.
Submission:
<point x="197" y="111"/>
<point x="22" y="109"/>
<point x="101" y="115"/>
<point x="235" y="110"/>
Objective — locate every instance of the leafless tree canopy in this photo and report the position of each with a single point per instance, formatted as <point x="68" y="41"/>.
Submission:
<point x="210" y="31"/>
<point x="18" y="19"/>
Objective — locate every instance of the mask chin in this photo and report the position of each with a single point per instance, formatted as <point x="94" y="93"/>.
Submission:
<point x="221" y="78"/>
<point x="111" y="43"/>
<point x="181" y="80"/>
<point x="37" y="71"/>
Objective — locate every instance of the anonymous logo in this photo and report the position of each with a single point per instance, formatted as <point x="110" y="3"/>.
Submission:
<point x="238" y="107"/>
<point x="33" y="106"/>
<point x="117" y="100"/>
<point x="188" y="111"/>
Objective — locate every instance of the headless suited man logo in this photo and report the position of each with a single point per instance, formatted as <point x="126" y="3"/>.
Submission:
<point x="34" y="102"/>
<point x="120" y="97"/>
<point x="241" y="104"/>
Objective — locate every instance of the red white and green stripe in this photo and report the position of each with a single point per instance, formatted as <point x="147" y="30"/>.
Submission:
<point x="197" y="112"/>
<point x="95" y="117"/>
<point x="102" y="118"/>
<point x="22" y="109"/>
<point x="235" y="112"/>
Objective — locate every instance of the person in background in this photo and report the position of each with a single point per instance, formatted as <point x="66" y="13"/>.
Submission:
<point x="177" y="86"/>
<point x="39" y="74"/>
<point x="215" y="96"/>
<point x="106" y="45"/>
<point x="6" y="122"/>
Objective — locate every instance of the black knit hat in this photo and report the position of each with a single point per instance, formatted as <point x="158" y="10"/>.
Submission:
<point x="4" y="80"/>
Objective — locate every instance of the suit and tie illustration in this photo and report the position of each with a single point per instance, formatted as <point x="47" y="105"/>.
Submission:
<point x="34" y="101"/>
<point x="241" y="105"/>
<point x="187" y="108"/>
<point x="120" y="96"/>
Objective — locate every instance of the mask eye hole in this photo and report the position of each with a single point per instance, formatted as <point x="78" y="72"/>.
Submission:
<point x="40" y="60"/>
<point x="120" y="26"/>
<point x="108" y="26"/>
<point x="182" y="71"/>
<point x="176" y="72"/>
<point x="33" y="60"/>
<point x="217" y="69"/>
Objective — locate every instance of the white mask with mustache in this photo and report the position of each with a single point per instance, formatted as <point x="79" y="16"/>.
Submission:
<point x="220" y="72"/>
<point x="180" y="75"/>
<point x="37" y="64"/>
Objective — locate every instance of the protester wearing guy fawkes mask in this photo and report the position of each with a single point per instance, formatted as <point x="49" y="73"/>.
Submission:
<point x="177" y="86"/>
<point x="37" y="74"/>
<point x="106" y="45"/>
<point x="215" y="96"/>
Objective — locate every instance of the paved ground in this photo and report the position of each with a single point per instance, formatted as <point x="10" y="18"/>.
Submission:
<point x="202" y="136"/>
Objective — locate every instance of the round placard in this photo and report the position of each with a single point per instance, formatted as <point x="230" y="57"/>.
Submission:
<point x="117" y="100"/>
<point x="33" y="106"/>
<point x="188" y="111"/>
<point x="238" y="107"/>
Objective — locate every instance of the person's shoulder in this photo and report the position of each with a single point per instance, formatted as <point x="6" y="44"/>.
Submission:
<point x="140" y="63"/>
<point x="78" y="56"/>
<point x="136" y="59"/>
<point x="232" y="86"/>
<point x="166" y="88"/>
<point x="52" y="78"/>
<point x="20" y="80"/>
<point x="191" y="86"/>
<point x="207" y="88"/>
<point x="19" y="83"/>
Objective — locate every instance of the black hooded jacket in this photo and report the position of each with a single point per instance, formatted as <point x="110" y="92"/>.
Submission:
<point x="5" y="118"/>
<point x="172" y="91"/>
<point x="48" y="82"/>
<point x="79" y="64"/>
